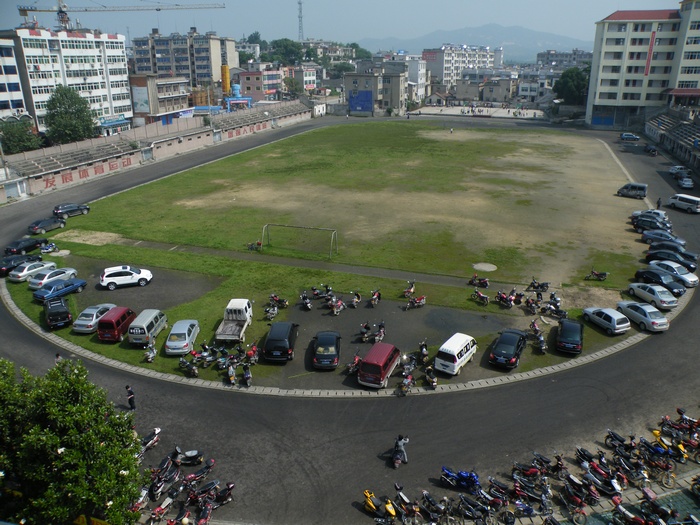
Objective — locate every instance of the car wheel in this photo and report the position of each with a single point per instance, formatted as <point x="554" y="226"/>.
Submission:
<point x="643" y="327"/>
<point x="640" y="230"/>
<point x="609" y="331"/>
<point x="121" y="337"/>
<point x="619" y="309"/>
<point x="653" y="303"/>
<point x="61" y="224"/>
<point x="143" y="282"/>
<point x="42" y="231"/>
<point x="85" y="212"/>
<point x="649" y="241"/>
<point x="631" y="291"/>
<point x="65" y="216"/>
<point x="111" y="286"/>
<point x="673" y="206"/>
<point x="23" y="252"/>
<point x="586" y="317"/>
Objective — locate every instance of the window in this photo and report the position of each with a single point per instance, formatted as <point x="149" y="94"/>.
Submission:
<point x="17" y="104"/>
<point x="691" y="55"/>
<point x="10" y="70"/>
<point x="693" y="84"/>
<point x="6" y="51"/>
<point x="694" y="25"/>
<point x="13" y="86"/>
<point x="695" y="70"/>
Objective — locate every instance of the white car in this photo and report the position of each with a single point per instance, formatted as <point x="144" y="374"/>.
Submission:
<point x="678" y="272"/>
<point x="612" y="321"/>
<point x="677" y="169"/>
<point x="656" y="214"/>
<point x="686" y="183"/>
<point x="654" y="294"/>
<point x="116" y="276"/>
<point x="645" y="315"/>
<point x="48" y="276"/>
<point x="86" y="323"/>
<point x="28" y="270"/>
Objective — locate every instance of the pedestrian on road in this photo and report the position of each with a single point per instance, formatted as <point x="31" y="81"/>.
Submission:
<point x="130" y="397"/>
<point x="658" y="203"/>
<point x="58" y="358"/>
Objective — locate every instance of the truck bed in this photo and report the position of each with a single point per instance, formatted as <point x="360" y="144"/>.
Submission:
<point x="230" y="330"/>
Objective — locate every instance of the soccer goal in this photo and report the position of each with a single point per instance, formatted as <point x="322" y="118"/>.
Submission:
<point x="303" y="238"/>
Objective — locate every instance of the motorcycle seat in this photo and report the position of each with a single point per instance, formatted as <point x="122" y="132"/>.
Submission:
<point x="542" y="458"/>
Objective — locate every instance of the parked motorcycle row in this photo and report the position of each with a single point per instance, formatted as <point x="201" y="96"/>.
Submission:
<point x="201" y="498"/>
<point x="533" y="303"/>
<point x="536" y="486"/>
<point x="223" y="359"/>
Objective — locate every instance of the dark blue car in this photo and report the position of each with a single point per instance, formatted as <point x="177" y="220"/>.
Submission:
<point x="59" y="289"/>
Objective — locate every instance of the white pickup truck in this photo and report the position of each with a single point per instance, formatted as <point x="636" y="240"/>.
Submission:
<point x="237" y="318"/>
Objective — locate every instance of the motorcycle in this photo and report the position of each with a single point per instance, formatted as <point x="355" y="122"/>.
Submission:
<point x="430" y="377"/>
<point x="305" y="302"/>
<point x="528" y="471"/>
<point x="252" y="354"/>
<point x="650" y="505"/>
<point x="49" y="248"/>
<point x="150" y="354"/>
<point x="247" y="375"/>
<point x="503" y="299"/>
<point x="583" y="489"/>
<point x="650" y="450"/>
<point x="338" y="306"/>
<point x="375" y="297"/>
<point x="148" y="442"/>
<point x="469" y="481"/>
<point x="574" y="504"/>
<point x="416" y="302"/>
<point x="365" y="332"/>
<point x="164" y="480"/>
<point x="515" y="296"/>
<point x="378" y="508"/>
<point x="189" y="366"/>
<point x="637" y="475"/>
<point x="537" y="286"/>
<point x="614" y="440"/>
<point x="197" y="495"/>
<point x="473" y="510"/>
<point x="622" y="516"/>
<point x="356" y="299"/>
<point x="480" y="297"/>
<point x="399" y="455"/>
<point x="202" y="473"/>
<point x="559" y="469"/>
<point x="276" y="300"/>
<point x="409" y="510"/>
<point x="596" y="276"/>
<point x="224" y="495"/>
<point x="206" y="507"/>
<point x="408" y="292"/>
<point x="353" y="366"/>
<point x="531" y="305"/>
<point x="206" y="356"/>
<point x="423" y="354"/>
<point x="380" y="333"/>
<point x="231" y="374"/>
<point x="695" y="486"/>
<point x="674" y="447"/>
<point x="406" y="384"/>
<point x="270" y="313"/>
<point x="183" y="513"/>
<point x="554" y="311"/>
<point x="481" y="282"/>
<point x="318" y="294"/>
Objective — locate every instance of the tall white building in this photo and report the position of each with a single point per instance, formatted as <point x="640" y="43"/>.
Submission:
<point x="91" y="63"/>
<point x="642" y="61"/>
<point x="448" y="62"/>
<point x="11" y="97"/>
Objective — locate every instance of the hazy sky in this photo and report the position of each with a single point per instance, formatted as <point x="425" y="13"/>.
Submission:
<point x="341" y="21"/>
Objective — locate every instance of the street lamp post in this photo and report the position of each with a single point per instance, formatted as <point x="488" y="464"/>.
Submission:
<point x="6" y="173"/>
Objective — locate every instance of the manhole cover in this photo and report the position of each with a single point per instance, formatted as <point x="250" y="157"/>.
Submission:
<point x="485" y="267"/>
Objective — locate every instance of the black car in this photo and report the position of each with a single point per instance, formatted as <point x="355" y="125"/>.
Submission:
<point x="70" y="209"/>
<point x="646" y="223"/>
<point x="56" y="313"/>
<point x="662" y="279"/>
<point x="667" y="255"/>
<point x="24" y="245"/>
<point x="570" y="336"/>
<point x="673" y="247"/>
<point x="326" y="347"/>
<point x="13" y="261"/>
<point x="43" y="225"/>
<point x="507" y="348"/>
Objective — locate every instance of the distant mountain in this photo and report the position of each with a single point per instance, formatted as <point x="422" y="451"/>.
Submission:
<point x="519" y="45"/>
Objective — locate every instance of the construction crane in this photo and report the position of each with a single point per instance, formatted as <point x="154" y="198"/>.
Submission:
<point x="64" y="22"/>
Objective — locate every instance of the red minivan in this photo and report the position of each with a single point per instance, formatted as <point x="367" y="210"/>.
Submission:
<point x="114" y="324"/>
<point x="378" y="365"/>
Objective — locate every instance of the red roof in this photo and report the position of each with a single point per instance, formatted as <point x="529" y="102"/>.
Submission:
<point x="646" y="14"/>
<point x="692" y="92"/>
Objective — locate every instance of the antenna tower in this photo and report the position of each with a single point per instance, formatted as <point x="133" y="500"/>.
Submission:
<point x="301" y="23"/>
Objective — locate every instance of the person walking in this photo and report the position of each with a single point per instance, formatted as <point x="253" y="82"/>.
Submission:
<point x="658" y="203"/>
<point x="130" y="398"/>
<point x="58" y="358"/>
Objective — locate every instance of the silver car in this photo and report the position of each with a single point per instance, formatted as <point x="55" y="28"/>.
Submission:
<point x="654" y="294"/>
<point x="86" y="323"/>
<point x="182" y="337"/>
<point x="678" y="272"/>
<point x="30" y="269"/>
<point x="645" y="315"/>
<point x="49" y="276"/>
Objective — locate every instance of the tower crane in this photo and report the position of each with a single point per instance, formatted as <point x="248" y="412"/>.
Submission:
<point x="61" y="10"/>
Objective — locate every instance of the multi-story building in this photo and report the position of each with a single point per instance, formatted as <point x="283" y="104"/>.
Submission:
<point x="91" y="63"/>
<point x="11" y="96"/>
<point x="252" y="49"/>
<point x="194" y="56"/>
<point x="417" y="72"/>
<point x="564" y="59"/>
<point x="159" y="99"/>
<point x="261" y="81"/>
<point x="305" y="75"/>
<point x="448" y="62"/>
<point x="377" y="86"/>
<point x="643" y="60"/>
<point x="334" y="51"/>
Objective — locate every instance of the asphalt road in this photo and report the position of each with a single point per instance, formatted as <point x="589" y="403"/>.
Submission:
<point x="308" y="460"/>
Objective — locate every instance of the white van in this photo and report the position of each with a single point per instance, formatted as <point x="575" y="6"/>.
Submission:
<point x="146" y="327"/>
<point x="454" y="353"/>
<point x="685" y="202"/>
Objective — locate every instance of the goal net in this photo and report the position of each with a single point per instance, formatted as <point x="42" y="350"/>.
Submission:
<point x="307" y="239"/>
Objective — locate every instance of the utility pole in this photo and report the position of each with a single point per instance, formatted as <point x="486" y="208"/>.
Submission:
<point x="301" y="24"/>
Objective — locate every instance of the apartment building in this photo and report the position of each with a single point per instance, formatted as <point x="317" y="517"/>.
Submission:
<point x="11" y="96"/>
<point x="377" y="88"/>
<point x="564" y="59"/>
<point x="448" y="62"/>
<point x="159" y="99"/>
<point x="90" y="62"/>
<point x="642" y="61"/>
<point x="194" y="56"/>
<point x="260" y="81"/>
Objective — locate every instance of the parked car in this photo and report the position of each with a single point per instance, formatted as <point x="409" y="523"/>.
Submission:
<point x="657" y="296"/>
<point x="326" y="348"/>
<point x="612" y="321"/>
<point x="642" y="224"/>
<point x="629" y="136"/>
<point x="70" y="209"/>
<point x="651" y="149"/>
<point x="677" y="169"/>
<point x="56" y="313"/>
<point x="570" y="336"/>
<point x="116" y="276"/>
<point x="48" y="276"/>
<point x="644" y="315"/>
<point x="24" y="245"/>
<point x="507" y="348"/>
<point x="87" y="320"/>
<point x="673" y="247"/>
<point x="182" y="337"/>
<point x="29" y="269"/>
<point x="667" y="224"/>
<point x="7" y="264"/>
<point x="59" y="289"/>
<point x="654" y="276"/>
<point x="678" y="272"/>
<point x="650" y="236"/>
<point x="686" y="183"/>
<point x="656" y="214"/>
<point x="668" y="255"/>
<point x="41" y="226"/>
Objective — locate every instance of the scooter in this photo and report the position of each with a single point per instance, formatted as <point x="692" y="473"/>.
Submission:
<point x="202" y="473"/>
<point x="537" y="286"/>
<point x="365" y="332"/>
<point x="276" y="300"/>
<point x="150" y="354"/>
<point x="460" y="479"/>
<point x="481" y="282"/>
<point x="356" y="299"/>
<point x="49" y="248"/>
<point x="271" y="312"/>
<point x="252" y="354"/>
<point x="183" y="513"/>
<point x="398" y="455"/>
<point x="378" y="508"/>
<point x="407" y="508"/>
<point x="650" y="505"/>
<point x="423" y="353"/>
<point x="148" y="442"/>
<point x="353" y="366"/>
<point x="408" y="292"/>
<point x="596" y="276"/>
<point x="305" y="302"/>
<point x="206" y="507"/>
<point x="189" y="457"/>
<point x="416" y="302"/>
<point x="197" y="496"/>
<point x="375" y="297"/>
<point x="622" y="516"/>
<point x="247" y="375"/>
<point x="231" y="374"/>
<point x="675" y="448"/>
<point x="430" y="377"/>
<point x="189" y="366"/>
<point x="380" y="333"/>
<point x="338" y="306"/>
<point x="164" y="480"/>
<point x="531" y="305"/>
<point x="406" y="384"/>
<point x="480" y="297"/>
<point x="224" y="495"/>
<point x="503" y="299"/>
<point x="554" y="311"/>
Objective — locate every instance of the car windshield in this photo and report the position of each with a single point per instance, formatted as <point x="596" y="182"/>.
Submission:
<point x="85" y="316"/>
<point x="655" y="314"/>
<point x="570" y="332"/>
<point x="134" y="269"/>
<point x="506" y="345"/>
<point x="664" y="294"/>
<point x="681" y="270"/>
<point x="42" y="275"/>
<point x="667" y="279"/>
<point x="325" y="350"/>
<point x="175" y="338"/>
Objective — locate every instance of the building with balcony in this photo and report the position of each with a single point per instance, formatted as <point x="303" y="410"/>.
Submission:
<point x="11" y="96"/>
<point x="89" y="62"/>
<point x="260" y="80"/>
<point x="159" y="99"/>
<point x="377" y="88"/>
<point x="643" y="61"/>
<point x="564" y="59"/>
<point x="448" y="63"/>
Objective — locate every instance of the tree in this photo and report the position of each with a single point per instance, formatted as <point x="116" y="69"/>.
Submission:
<point x="340" y="68"/>
<point x="244" y="58"/>
<point x="254" y="38"/>
<point x="286" y="51"/>
<point x="572" y="86"/>
<point x="18" y="137"/>
<point x="64" y="449"/>
<point x="68" y="117"/>
<point x="293" y="86"/>
<point x="360" y="52"/>
<point x="310" y="54"/>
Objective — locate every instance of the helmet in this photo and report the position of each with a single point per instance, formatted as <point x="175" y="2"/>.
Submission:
<point x="400" y="437"/>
